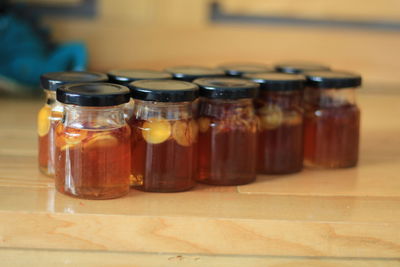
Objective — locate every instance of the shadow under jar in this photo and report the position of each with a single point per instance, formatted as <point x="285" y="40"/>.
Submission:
<point x="164" y="136"/>
<point x="227" y="131"/>
<point x="332" y="120"/>
<point x="126" y="76"/>
<point x="93" y="141"/>
<point x="279" y="109"/>
<point x="51" y="113"/>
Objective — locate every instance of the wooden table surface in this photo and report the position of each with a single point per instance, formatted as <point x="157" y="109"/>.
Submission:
<point x="348" y="217"/>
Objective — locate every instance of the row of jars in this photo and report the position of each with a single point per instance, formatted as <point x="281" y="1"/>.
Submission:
<point x="100" y="134"/>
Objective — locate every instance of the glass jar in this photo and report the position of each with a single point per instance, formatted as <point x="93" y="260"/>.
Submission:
<point x="190" y="73"/>
<point x="297" y="67"/>
<point x="227" y="131"/>
<point x="164" y="136"/>
<point x="240" y="69"/>
<point x="332" y="120"/>
<point x="93" y="141"/>
<point x="125" y="77"/>
<point x="280" y="112"/>
<point x="51" y="113"/>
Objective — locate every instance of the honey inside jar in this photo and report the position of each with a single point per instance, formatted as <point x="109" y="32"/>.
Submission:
<point x="164" y="136"/>
<point x="51" y="113"/>
<point x="280" y="111"/>
<point x="93" y="141"/>
<point x="227" y="131"/>
<point x="332" y="120"/>
<point x="93" y="164"/>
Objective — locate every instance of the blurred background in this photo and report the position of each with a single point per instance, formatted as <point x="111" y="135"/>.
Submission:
<point x="358" y="35"/>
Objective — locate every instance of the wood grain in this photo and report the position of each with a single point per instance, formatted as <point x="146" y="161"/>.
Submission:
<point x="46" y="258"/>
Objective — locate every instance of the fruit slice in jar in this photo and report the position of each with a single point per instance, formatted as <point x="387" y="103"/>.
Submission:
<point x="69" y="138"/>
<point x="185" y="133"/>
<point x="271" y="116"/>
<point x="101" y="140"/>
<point x="156" y="131"/>
<point x="292" y="118"/>
<point x="44" y="120"/>
<point x="204" y="124"/>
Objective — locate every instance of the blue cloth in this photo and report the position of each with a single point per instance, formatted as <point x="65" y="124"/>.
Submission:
<point x="25" y="55"/>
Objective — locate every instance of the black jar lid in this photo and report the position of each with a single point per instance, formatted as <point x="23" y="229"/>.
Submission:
<point x="93" y="94"/>
<point x="127" y="76"/>
<point x="239" y="69"/>
<point x="278" y="81"/>
<point x="333" y="79"/>
<point x="226" y="88"/>
<point x="189" y="73"/>
<point x="296" y="67"/>
<point x="53" y="80"/>
<point x="164" y="90"/>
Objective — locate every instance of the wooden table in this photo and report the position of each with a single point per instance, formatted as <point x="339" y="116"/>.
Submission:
<point x="315" y="218"/>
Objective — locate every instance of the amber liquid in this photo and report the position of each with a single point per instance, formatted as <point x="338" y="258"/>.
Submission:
<point x="93" y="164"/>
<point x="227" y="144"/>
<point x="47" y="146"/>
<point x="280" y="150"/>
<point x="331" y="136"/>
<point x="280" y="139"/>
<point x="166" y="166"/>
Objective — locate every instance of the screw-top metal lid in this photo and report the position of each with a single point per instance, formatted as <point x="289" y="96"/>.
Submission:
<point x="125" y="76"/>
<point x="226" y="88"/>
<point x="53" y="80"/>
<point x="189" y="73"/>
<point x="333" y="79"/>
<point x="240" y="69"/>
<point x="296" y="67"/>
<point x="93" y="94"/>
<point x="164" y="90"/>
<point x="277" y="81"/>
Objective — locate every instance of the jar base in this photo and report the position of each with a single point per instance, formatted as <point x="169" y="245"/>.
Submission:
<point x="269" y="172"/>
<point x="226" y="183"/>
<point x="45" y="171"/>
<point x="329" y="165"/>
<point x="163" y="190"/>
<point x="93" y="194"/>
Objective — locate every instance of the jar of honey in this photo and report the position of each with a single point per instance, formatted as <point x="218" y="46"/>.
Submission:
<point x="93" y="141"/>
<point x="240" y="69"/>
<point x="280" y="112"/>
<point x="332" y="120"/>
<point x="125" y="77"/>
<point x="164" y="135"/>
<point x="297" y="67"/>
<point x="227" y="131"/>
<point x="190" y="73"/>
<point x="50" y="114"/>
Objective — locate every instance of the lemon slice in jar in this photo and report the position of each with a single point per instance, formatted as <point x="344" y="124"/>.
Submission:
<point x="271" y="116"/>
<point x="185" y="133"/>
<point x="292" y="118"/>
<point x="204" y="124"/>
<point x="43" y="122"/>
<point x="101" y="140"/>
<point x="70" y="138"/>
<point x="156" y="131"/>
